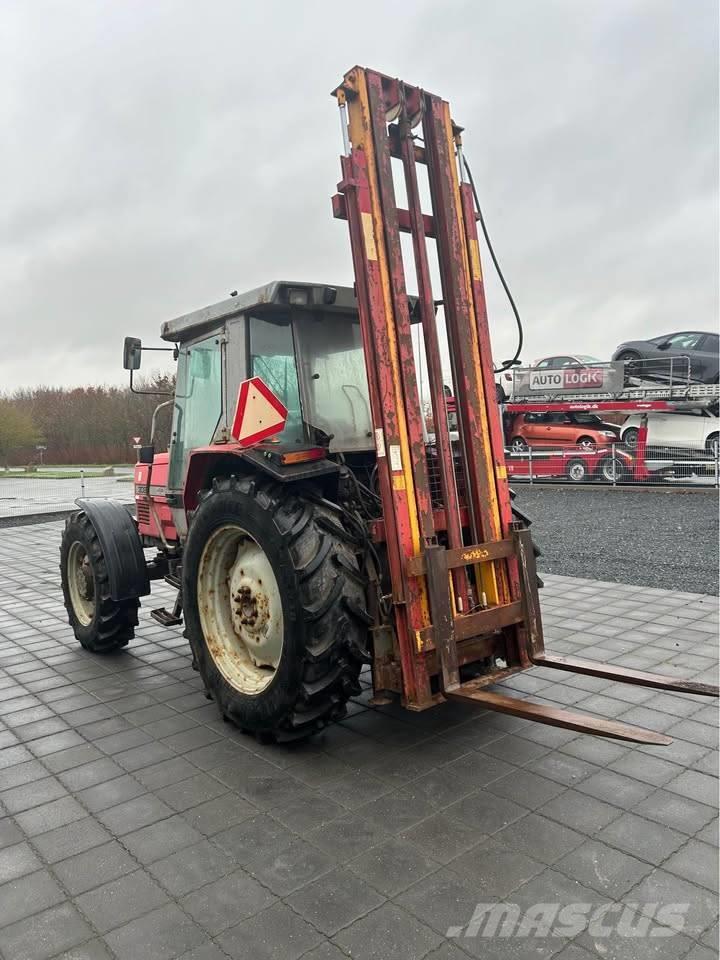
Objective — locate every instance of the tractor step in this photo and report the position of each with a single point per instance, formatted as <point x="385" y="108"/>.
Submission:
<point x="173" y="580"/>
<point x="166" y="617"/>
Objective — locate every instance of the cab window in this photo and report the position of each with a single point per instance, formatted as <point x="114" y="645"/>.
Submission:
<point x="198" y="403"/>
<point x="272" y="358"/>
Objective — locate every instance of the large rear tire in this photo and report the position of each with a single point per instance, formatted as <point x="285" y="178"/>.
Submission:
<point x="274" y="606"/>
<point x="100" y="623"/>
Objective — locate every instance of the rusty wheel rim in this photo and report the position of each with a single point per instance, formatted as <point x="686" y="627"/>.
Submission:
<point x="81" y="583"/>
<point x="240" y="609"/>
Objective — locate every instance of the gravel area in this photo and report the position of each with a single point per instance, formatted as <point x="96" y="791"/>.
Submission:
<point x="646" y="537"/>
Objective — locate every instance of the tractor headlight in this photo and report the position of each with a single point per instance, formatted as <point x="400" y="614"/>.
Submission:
<point x="298" y="296"/>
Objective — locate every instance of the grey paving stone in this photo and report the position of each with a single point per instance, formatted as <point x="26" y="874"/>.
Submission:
<point x="580" y="811"/>
<point x="642" y="838"/>
<point x="133" y="814"/>
<point x="697" y="862"/>
<point x="94" y="867"/>
<point x="540" y="838"/>
<point x="90" y="774"/>
<point x="667" y="888"/>
<point x="346" y="837"/>
<point x="92" y="950"/>
<point x="165" y="772"/>
<point x="191" y="867"/>
<point x="696" y="786"/>
<point x="605" y="869"/>
<point x="219" y="814"/>
<point x="392" y="866"/>
<point x="110" y="793"/>
<point x="494" y="870"/>
<point x="291" y="867"/>
<point x="192" y="792"/>
<point x="562" y="768"/>
<point x="70" y="839"/>
<point x="44" y="934"/>
<point x="326" y="951"/>
<point x="389" y="932"/>
<point x="49" y="816"/>
<point x="161" y="839"/>
<point x="163" y="934"/>
<point x="526" y="788"/>
<point x="615" y="788"/>
<point x="27" y="895"/>
<point x="486" y="812"/>
<point x="225" y="902"/>
<point x="335" y="901"/>
<point x="10" y="834"/>
<point x="676" y="811"/>
<point x="443" y="837"/>
<point x="17" y="860"/>
<point x="32" y="794"/>
<point x="22" y="773"/>
<point x="277" y="933"/>
<point x="120" y="900"/>
<point x="256" y="838"/>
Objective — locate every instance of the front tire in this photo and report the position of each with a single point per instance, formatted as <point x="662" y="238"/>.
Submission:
<point x="586" y="443"/>
<point x="100" y="623"/>
<point x="577" y="471"/>
<point x="518" y="445"/>
<point x="274" y="606"/>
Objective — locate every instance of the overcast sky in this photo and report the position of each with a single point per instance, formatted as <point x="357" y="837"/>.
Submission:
<point x="158" y="154"/>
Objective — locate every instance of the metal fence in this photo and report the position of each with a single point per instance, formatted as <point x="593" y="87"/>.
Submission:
<point x="616" y="465"/>
<point x="24" y="494"/>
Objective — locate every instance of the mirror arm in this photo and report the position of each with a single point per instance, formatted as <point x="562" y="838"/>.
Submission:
<point x="148" y="393"/>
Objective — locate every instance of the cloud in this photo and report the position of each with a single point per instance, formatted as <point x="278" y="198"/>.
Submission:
<point x="157" y="155"/>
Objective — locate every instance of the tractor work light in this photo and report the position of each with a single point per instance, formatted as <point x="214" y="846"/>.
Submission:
<point x="298" y="296"/>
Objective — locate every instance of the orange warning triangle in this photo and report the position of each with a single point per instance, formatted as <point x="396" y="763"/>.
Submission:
<point x="258" y="415"/>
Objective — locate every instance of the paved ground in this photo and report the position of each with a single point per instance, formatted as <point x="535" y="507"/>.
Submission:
<point x="20" y="496"/>
<point x="653" y="538"/>
<point x="135" y="824"/>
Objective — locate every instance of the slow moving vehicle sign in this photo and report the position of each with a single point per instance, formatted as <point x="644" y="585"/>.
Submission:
<point x="259" y="413"/>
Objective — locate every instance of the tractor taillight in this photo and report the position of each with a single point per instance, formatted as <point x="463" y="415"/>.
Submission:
<point x="302" y="456"/>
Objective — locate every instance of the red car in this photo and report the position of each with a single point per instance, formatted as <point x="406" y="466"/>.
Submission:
<point x="576" y="465"/>
<point x="585" y="430"/>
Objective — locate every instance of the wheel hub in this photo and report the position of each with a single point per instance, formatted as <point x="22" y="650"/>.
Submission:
<point x="240" y="609"/>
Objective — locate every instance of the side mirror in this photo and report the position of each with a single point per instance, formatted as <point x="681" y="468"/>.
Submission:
<point x="132" y="353"/>
<point x="664" y="345"/>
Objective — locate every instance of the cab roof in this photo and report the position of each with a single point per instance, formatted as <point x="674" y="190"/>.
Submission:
<point x="276" y="293"/>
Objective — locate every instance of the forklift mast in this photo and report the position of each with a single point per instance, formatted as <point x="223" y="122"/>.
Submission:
<point x="443" y="617"/>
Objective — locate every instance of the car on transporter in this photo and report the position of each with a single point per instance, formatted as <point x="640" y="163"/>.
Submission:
<point x="560" y="429"/>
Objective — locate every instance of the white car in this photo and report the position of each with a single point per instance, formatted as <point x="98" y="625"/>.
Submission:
<point x="691" y="431"/>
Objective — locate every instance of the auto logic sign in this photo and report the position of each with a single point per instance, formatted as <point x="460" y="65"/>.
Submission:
<point x="600" y="378"/>
<point x="568" y="378"/>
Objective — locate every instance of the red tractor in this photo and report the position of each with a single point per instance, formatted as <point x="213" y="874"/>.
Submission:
<point x="304" y="518"/>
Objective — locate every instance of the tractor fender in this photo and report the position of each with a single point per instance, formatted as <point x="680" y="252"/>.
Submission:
<point x="120" y="541"/>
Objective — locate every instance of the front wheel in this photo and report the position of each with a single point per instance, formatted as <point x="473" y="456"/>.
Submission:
<point x="274" y="606"/>
<point x="518" y="445"/>
<point x="711" y="444"/>
<point x="100" y="623"/>
<point x="586" y="443"/>
<point x="577" y="471"/>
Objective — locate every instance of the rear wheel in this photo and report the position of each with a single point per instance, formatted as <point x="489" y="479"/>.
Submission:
<point x="613" y="470"/>
<point x="100" y="623"/>
<point x="274" y="606"/>
<point x="711" y="444"/>
<point x="630" y="437"/>
<point x="577" y="471"/>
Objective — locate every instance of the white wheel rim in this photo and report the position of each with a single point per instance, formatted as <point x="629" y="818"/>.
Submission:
<point x="240" y="609"/>
<point x="577" y="471"/>
<point x="81" y="583"/>
<point x="587" y="445"/>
